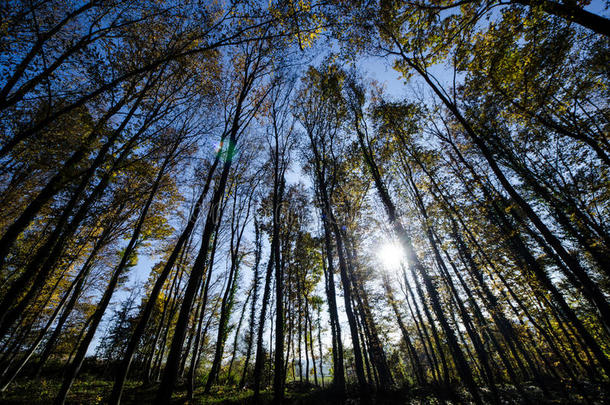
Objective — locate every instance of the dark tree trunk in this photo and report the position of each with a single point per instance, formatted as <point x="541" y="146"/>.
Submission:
<point x="462" y="365"/>
<point x="590" y="289"/>
<point x="242" y="315"/>
<point x="172" y="365"/>
<point x="74" y="367"/>
<point x="278" y="375"/>
<point x="329" y="218"/>
<point x="228" y="297"/>
<point x="417" y="367"/>
<point x="75" y="290"/>
<point x="134" y="341"/>
<point x="43" y="262"/>
<point x="255" y="285"/>
<point x="259" y="358"/>
<point x="202" y="309"/>
<point x="420" y="326"/>
<point x="56" y="182"/>
<point x="329" y="274"/>
<point x="571" y="12"/>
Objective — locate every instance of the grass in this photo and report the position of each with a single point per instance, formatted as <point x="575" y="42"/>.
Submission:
<point x="90" y="390"/>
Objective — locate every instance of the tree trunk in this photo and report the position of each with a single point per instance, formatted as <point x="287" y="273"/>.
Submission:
<point x="255" y="284"/>
<point x="415" y="264"/>
<point x="123" y="369"/>
<point x="571" y="12"/>
<point x="171" y="369"/>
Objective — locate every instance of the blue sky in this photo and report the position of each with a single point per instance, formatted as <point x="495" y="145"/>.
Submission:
<point x="374" y="68"/>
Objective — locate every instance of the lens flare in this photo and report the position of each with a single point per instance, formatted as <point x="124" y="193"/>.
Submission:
<point x="391" y="255"/>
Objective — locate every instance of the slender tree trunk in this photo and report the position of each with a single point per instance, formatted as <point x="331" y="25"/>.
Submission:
<point x="203" y="306"/>
<point x="417" y="367"/>
<point x="74" y="366"/>
<point x="589" y="287"/>
<point x="376" y="351"/>
<point x="228" y="296"/>
<point x="338" y="369"/>
<point x="123" y="370"/>
<point x="320" y="349"/>
<point x="259" y="358"/>
<point x="462" y="365"/>
<point x="329" y="217"/>
<point x="166" y="311"/>
<point x="311" y="350"/>
<point x="422" y="331"/>
<point x="236" y="338"/>
<point x="278" y="375"/>
<point x="43" y="263"/>
<point x="351" y="317"/>
<point x="171" y="369"/>
<point x="255" y="285"/>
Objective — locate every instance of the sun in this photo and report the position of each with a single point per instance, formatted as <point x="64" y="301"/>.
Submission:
<point x="391" y="255"/>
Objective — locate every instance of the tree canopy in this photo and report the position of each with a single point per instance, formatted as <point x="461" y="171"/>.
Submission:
<point x="304" y="201"/>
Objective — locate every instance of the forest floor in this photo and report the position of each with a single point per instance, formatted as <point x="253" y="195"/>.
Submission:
<point x="93" y="391"/>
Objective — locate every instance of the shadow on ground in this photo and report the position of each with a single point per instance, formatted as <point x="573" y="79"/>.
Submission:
<point x="92" y="391"/>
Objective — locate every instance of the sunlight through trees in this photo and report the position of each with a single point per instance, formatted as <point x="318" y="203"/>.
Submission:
<point x="312" y="202"/>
